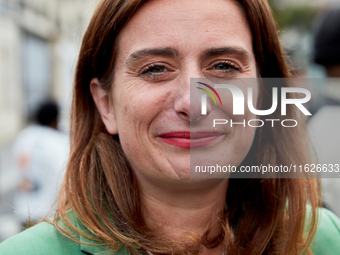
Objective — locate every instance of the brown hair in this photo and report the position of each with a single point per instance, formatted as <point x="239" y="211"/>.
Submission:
<point x="268" y="215"/>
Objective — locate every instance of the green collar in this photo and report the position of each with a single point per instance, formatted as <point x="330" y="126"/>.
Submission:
<point x="88" y="246"/>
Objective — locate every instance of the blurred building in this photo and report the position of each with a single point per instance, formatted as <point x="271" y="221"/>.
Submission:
<point x="39" y="41"/>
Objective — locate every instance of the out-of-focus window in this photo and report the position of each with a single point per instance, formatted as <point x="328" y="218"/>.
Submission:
<point x="36" y="67"/>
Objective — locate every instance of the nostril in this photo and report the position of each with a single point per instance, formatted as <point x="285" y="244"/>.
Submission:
<point x="184" y="115"/>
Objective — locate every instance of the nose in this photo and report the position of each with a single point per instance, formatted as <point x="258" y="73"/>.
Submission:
<point x="188" y="103"/>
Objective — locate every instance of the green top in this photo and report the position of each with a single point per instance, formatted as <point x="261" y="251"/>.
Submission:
<point x="45" y="239"/>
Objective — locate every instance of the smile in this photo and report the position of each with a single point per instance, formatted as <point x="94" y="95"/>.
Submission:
<point x="190" y="140"/>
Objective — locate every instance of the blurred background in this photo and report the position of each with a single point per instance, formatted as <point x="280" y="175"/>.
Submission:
<point x="39" y="43"/>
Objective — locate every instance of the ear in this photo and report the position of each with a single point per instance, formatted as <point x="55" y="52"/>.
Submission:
<point x="102" y="101"/>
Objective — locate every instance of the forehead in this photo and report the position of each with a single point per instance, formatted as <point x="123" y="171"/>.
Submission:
<point x="186" y="25"/>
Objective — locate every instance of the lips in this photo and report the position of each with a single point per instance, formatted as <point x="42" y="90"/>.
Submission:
<point x="187" y="140"/>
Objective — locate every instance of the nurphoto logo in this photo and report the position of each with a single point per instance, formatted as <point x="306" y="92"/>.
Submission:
<point x="238" y="99"/>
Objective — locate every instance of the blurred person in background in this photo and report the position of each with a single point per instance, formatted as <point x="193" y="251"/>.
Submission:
<point x="40" y="155"/>
<point x="327" y="45"/>
<point x="325" y="124"/>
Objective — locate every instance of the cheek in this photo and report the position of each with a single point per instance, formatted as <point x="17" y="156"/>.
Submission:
<point x="130" y="104"/>
<point x="137" y="108"/>
<point x="139" y="112"/>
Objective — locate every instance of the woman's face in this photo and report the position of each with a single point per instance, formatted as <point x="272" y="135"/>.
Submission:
<point x="164" y="45"/>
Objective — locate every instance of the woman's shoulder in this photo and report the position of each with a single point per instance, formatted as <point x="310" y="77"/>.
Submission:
<point x="44" y="238"/>
<point x="327" y="238"/>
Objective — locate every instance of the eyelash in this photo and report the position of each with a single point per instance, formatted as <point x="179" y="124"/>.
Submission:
<point x="146" y="71"/>
<point x="232" y="67"/>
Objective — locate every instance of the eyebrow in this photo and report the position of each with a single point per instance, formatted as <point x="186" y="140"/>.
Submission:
<point x="165" y="52"/>
<point x="226" y="50"/>
<point x="171" y="52"/>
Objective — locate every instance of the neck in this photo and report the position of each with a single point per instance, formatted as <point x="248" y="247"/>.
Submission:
<point x="178" y="212"/>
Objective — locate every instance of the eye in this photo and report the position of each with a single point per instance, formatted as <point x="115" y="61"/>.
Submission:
<point x="227" y="66"/>
<point x="153" y="70"/>
<point x="157" y="69"/>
